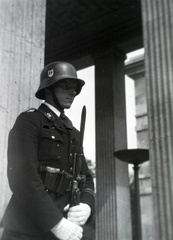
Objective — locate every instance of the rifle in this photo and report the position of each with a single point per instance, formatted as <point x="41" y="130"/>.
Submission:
<point x="78" y="180"/>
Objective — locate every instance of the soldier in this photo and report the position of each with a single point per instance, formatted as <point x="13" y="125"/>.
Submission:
<point x="40" y="165"/>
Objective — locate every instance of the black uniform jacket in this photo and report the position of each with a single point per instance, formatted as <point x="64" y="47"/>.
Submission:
<point x="40" y="138"/>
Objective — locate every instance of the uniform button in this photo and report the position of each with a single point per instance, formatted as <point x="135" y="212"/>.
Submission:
<point x="53" y="137"/>
<point x="58" y="157"/>
<point x="71" y="169"/>
<point x="57" y="145"/>
<point x="71" y="155"/>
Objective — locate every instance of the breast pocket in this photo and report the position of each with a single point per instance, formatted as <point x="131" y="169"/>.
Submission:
<point x="50" y="141"/>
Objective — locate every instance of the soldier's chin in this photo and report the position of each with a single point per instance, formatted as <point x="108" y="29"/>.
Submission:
<point x="67" y="106"/>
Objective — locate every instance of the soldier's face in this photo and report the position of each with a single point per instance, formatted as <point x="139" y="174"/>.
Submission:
<point x="65" y="92"/>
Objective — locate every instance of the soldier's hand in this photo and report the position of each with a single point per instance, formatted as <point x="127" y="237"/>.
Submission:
<point x="78" y="214"/>
<point x="66" y="230"/>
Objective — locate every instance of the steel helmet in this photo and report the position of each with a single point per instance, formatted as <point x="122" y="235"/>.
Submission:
<point x="54" y="72"/>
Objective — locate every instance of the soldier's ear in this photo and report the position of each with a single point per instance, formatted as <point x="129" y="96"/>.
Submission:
<point x="47" y="91"/>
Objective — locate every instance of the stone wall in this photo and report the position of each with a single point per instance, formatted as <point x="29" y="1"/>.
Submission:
<point x="22" y="33"/>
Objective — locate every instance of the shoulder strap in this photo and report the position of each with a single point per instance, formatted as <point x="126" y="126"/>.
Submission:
<point x="31" y="110"/>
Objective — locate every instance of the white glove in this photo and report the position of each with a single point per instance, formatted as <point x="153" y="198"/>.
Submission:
<point x="66" y="230"/>
<point x="78" y="214"/>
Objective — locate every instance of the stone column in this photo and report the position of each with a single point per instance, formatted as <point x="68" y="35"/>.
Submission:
<point x="135" y="70"/>
<point x="113" y="219"/>
<point x="22" y="32"/>
<point x="158" y="43"/>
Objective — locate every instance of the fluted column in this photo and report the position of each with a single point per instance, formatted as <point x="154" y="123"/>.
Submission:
<point x="158" y="43"/>
<point x="113" y="202"/>
<point x="22" y="30"/>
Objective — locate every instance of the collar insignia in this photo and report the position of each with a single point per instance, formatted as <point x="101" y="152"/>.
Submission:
<point x="50" y="116"/>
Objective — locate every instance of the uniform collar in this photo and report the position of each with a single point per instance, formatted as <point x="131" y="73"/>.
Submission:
<point x="50" y="115"/>
<point x="56" y="111"/>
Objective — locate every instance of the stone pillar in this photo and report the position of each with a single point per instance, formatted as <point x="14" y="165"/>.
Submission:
<point x="158" y="43"/>
<point x="113" y="218"/>
<point x="22" y="32"/>
<point x="135" y="70"/>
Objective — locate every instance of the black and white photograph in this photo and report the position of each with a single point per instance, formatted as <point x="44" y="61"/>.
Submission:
<point x="86" y="119"/>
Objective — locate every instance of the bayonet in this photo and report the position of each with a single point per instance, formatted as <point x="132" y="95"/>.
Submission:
<point x="78" y="180"/>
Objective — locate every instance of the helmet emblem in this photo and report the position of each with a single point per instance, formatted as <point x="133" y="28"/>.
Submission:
<point x="50" y="73"/>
